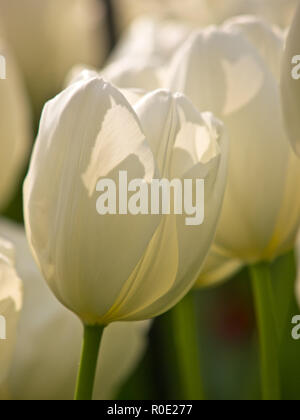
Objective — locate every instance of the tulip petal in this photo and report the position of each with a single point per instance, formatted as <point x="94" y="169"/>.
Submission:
<point x="179" y="127"/>
<point x="267" y="39"/>
<point x="89" y="121"/>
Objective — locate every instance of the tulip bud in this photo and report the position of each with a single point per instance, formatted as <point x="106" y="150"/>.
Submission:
<point x="224" y="70"/>
<point x="290" y="83"/>
<point x="14" y="126"/>
<point x="136" y="261"/>
<point x="10" y="306"/>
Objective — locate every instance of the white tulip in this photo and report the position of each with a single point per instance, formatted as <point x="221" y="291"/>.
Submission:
<point x="14" y="126"/>
<point x="10" y="306"/>
<point x="49" y="37"/>
<point x="231" y="71"/>
<point x="129" y="74"/>
<point x="266" y="38"/>
<point x="290" y="83"/>
<point x="49" y="336"/>
<point x="205" y="12"/>
<point x="279" y="12"/>
<point x="151" y="40"/>
<point x="119" y="267"/>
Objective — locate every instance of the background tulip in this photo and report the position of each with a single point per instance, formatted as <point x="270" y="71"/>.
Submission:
<point x="63" y="225"/>
<point x="51" y="36"/>
<point x="49" y="336"/>
<point x="230" y="70"/>
<point x="205" y="12"/>
<point x="151" y="40"/>
<point x="279" y="12"/>
<point x="147" y="44"/>
<point x="10" y="306"/>
<point x="290" y="83"/>
<point x="216" y="269"/>
<point x="14" y="127"/>
<point x="132" y="75"/>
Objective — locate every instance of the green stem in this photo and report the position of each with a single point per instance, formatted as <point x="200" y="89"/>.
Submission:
<point x="187" y="349"/>
<point x="269" y="342"/>
<point x="88" y="364"/>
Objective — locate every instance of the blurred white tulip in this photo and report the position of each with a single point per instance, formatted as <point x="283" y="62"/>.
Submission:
<point x="15" y="130"/>
<point x="129" y="74"/>
<point x="231" y="71"/>
<point x="279" y="12"/>
<point x="10" y="307"/>
<point x="147" y="44"/>
<point x="151" y="40"/>
<point x="205" y="12"/>
<point x="51" y="36"/>
<point x="266" y="38"/>
<point x="290" y="83"/>
<point x="47" y="351"/>
<point x="122" y="267"/>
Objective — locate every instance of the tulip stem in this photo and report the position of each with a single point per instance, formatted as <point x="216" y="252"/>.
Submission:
<point x="187" y="349"/>
<point x="268" y="334"/>
<point x="88" y="364"/>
